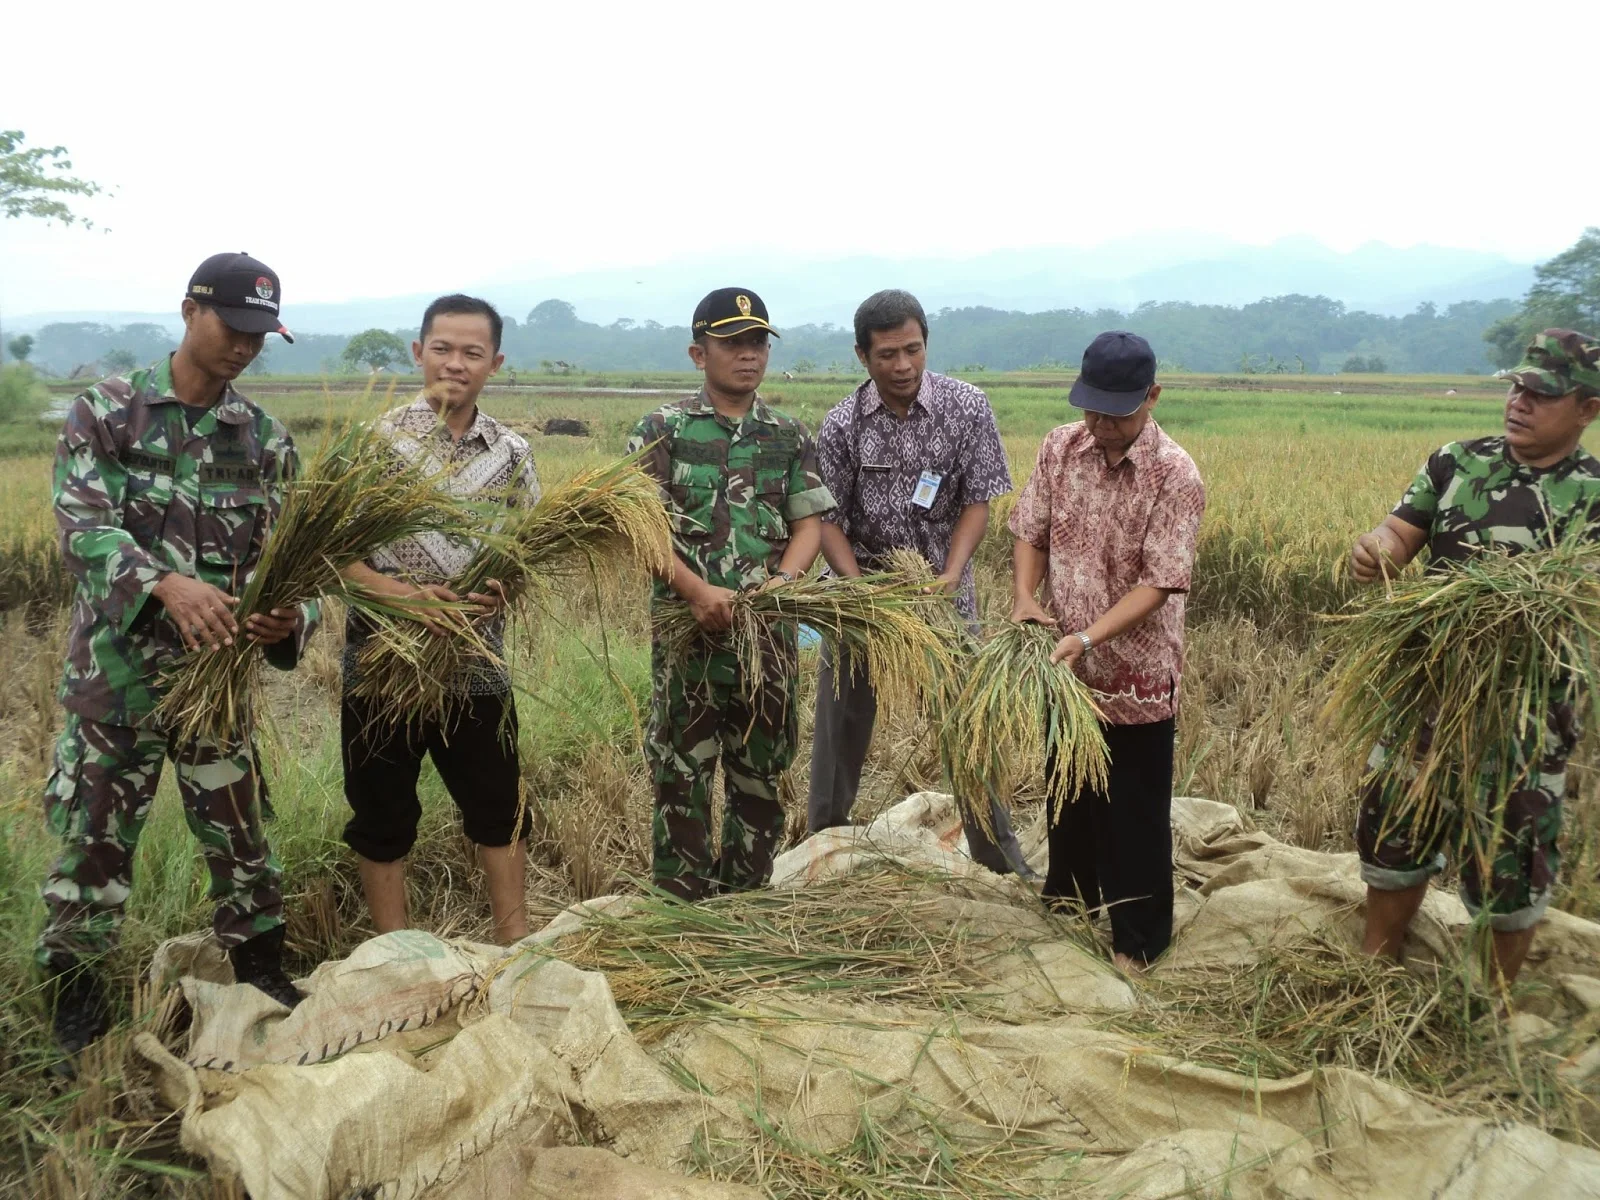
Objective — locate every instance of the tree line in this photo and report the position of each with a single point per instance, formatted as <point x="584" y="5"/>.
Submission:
<point x="1294" y="333"/>
<point x="1286" y="333"/>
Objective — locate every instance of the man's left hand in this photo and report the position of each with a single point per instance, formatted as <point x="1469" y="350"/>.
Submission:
<point x="770" y="582"/>
<point x="268" y="629"/>
<point x="1068" y="650"/>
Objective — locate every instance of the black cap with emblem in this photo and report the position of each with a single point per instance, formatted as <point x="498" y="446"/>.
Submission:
<point x="728" y="312"/>
<point x="244" y="291"/>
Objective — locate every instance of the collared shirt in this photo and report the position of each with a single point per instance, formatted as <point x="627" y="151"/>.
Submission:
<point x="1107" y="530"/>
<point x="489" y="459"/>
<point x="1474" y="495"/>
<point x="872" y="459"/>
<point x="731" y="488"/>
<point x="141" y="492"/>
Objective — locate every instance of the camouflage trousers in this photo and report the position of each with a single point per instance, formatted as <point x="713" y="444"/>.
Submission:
<point x="702" y="710"/>
<point x="1506" y="847"/>
<point x="98" y="797"/>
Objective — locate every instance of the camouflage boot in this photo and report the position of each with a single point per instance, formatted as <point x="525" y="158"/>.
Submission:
<point x="80" y="1011"/>
<point x="259" y="962"/>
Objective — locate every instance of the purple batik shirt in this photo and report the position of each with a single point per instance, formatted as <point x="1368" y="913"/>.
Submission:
<point x="872" y="459"/>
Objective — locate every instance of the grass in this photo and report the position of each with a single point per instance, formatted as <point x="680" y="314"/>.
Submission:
<point x="1292" y="477"/>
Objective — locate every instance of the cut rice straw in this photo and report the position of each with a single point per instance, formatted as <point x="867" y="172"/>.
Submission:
<point x="1456" y="673"/>
<point x="350" y="498"/>
<point x="1013" y="713"/>
<point x="888" y="621"/>
<point x="602" y="515"/>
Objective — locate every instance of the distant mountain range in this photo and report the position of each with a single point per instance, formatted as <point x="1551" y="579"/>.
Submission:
<point x="1121" y="275"/>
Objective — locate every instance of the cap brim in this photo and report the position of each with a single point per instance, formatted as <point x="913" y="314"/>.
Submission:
<point x="740" y="325"/>
<point x="1537" y="379"/>
<point x="1112" y="404"/>
<point x="253" y="320"/>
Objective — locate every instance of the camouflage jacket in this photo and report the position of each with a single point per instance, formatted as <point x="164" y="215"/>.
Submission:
<point x="730" y="489"/>
<point x="140" y="494"/>
<point x="1474" y="494"/>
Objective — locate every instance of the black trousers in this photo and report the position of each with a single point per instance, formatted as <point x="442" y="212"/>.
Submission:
<point x="1115" y="847"/>
<point x="476" y="757"/>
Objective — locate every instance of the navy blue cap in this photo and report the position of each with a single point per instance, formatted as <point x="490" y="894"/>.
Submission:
<point x="1118" y="371"/>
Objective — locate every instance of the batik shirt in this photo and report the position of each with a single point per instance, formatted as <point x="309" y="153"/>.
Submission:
<point x="141" y="493"/>
<point x="1474" y="495"/>
<point x="1105" y="531"/>
<point x="490" y="460"/>
<point x="872" y="459"/>
<point x="731" y="488"/>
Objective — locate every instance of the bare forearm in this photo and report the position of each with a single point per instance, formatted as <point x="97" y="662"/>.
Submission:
<point x="1027" y="569"/>
<point x="837" y="550"/>
<point x="971" y="525"/>
<point x="1128" y="613"/>
<point x="375" y="582"/>
<point x="681" y="578"/>
<point x="805" y="539"/>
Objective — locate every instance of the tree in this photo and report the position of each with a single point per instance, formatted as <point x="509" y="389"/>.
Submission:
<point x="1566" y="290"/>
<point x="1506" y="338"/>
<point x="378" y="348"/>
<point x="31" y="183"/>
<point x="119" y="360"/>
<point x="553" y="314"/>
<point x="1354" y="365"/>
<point x="22" y="394"/>
<point x="20" y="346"/>
<point x="1565" y="295"/>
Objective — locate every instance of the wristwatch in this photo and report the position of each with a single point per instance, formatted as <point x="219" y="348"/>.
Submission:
<point x="787" y="576"/>
<point x="1088" y="642"/>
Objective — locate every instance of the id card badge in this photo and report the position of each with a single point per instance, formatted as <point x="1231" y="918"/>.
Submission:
<point x="927" y="490"/>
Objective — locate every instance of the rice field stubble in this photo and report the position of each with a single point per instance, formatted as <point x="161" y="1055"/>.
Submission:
<point x="1292" y="477"/>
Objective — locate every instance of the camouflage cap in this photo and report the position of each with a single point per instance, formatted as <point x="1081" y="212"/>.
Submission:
<point x="1558" y="361"/>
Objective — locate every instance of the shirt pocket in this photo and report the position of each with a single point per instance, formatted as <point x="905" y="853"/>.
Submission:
<point x="145" y="504"/>
<point x="693" y="512"/>
<point x="227" y="525"/>
<point x="772" y="493"/>
<point x="945" y="501"/>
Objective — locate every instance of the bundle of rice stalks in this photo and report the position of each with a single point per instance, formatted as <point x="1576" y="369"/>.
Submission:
<point x="887" y="620"/>
<point x="1012" y="713"/>
<point x="599" y="516"/>
<point x="1319" y="1002"/>
<point x="878" y="937"/>
<point x="1456" y="673"/>
<point x="353" y="496"/>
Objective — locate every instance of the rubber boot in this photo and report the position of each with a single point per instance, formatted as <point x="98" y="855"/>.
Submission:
<point x="81" y="1013"/>
<point x="259" y="962"/>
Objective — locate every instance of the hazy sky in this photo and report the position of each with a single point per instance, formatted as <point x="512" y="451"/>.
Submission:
<point x="365" y="150"/>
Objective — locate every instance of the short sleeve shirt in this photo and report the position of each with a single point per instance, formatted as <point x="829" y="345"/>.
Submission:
<point x="490" y="460"/>
<point x="872" y="460"/>
<point x="1473" y="495"/>
<point x="1106" y="530"/>
<point x="731" y="488"/>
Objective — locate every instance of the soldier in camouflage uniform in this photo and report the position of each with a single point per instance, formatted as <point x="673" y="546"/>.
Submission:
<point x="745" y="495"/>
<point x="166" y="483"/>
<point x="1511" y="492"/>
